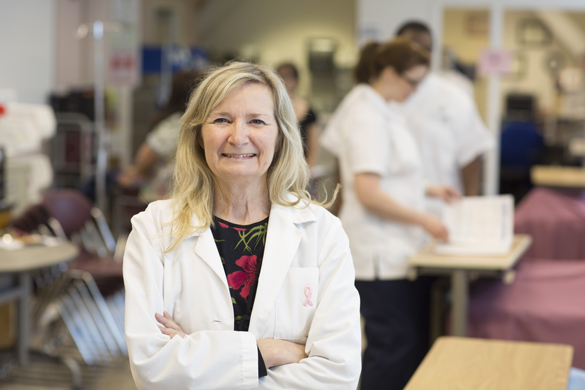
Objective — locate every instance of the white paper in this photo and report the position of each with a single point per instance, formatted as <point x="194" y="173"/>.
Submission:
<point x="482" y="225"/>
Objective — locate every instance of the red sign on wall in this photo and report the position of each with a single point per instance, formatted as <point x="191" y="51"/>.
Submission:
<point x="123" y="68"/>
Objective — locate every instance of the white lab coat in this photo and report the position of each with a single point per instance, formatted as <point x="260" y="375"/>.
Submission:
<point x="303" y="247"/>
<point x="448" y="130"/>
<point x="368" y="136"/>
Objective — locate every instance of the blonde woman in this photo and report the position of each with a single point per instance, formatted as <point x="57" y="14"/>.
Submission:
<point x="240" y="281"/>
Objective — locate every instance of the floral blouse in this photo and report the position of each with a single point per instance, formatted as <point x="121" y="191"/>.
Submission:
<point x="241" y="249"/>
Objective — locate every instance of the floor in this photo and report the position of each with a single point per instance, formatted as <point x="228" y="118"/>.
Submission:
<point x="46" y="374"/>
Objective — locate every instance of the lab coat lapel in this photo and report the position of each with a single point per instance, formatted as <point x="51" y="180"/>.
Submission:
<point x="282" y="240"/>
<point x="206" y="249"/>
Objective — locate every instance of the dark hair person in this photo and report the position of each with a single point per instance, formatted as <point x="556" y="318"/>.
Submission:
<point x="240" y="280"/>
<point x="454" y="141"/>
<point x="305" y="114"/>
<point x="383" y="208"/>
<point x="154" y="160"/>
<point x="417" y="32"/>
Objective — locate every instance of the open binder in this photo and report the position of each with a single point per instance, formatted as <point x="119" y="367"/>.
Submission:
<point x="479" y="226"/>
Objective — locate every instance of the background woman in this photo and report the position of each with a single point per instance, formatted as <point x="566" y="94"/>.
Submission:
<point x="155" y="159"/>
<point x="255" y="279"/>
<point x="382" y="210"/>
<point x="305" y="115"/>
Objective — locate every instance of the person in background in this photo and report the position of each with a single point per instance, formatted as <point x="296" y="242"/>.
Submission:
<point x="241" y="280"/>
<point x="154" y="161"/>
<point x="383" y="208"/>
<point x="445" y="122"/>
<point x="305" y="114"/>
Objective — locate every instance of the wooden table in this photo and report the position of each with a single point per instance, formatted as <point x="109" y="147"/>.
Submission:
<point x="21" y="262"/>
<point x="458" y="267"/>
<point x="558" y="176"/>
<point x="466" y="363"/>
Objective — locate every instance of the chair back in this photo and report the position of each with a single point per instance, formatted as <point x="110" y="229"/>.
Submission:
<point x="70" y="207"/>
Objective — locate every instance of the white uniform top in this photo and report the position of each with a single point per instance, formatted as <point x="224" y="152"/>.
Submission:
<point x="305" y="294"/>
<point x="448" y="129"/>
<point x="457" y="79"/>
<point x="368" y="136"/>
<point x="164" y="138"/>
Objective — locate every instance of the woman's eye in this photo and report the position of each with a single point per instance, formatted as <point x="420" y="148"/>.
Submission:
<point x="257" y="122"/>
<point x="220" y="120"/>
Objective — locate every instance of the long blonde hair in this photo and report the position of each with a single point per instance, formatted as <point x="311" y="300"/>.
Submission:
<point x="193" y="189"/>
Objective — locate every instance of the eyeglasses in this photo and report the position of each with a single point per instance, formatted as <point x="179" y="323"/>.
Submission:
<point x="411" y="82"/>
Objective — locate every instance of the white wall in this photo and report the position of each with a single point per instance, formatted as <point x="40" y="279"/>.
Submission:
<point x="74" y="55"/>
<point x="536" y="79"/>
<point x="68" y="48"/>
<point x="279" y="30"/>
<point x="387" y="15"/>
<point x="383" y="17"/>
<point x="27" y="48"/>
<point x="186" y="13"/>
<point x="75" y="61"/>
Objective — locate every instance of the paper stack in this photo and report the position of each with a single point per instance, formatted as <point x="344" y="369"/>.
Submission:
<point x="480" y="226"/>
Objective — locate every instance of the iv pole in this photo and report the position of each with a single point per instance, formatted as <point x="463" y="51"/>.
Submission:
<point x="103" y="136"/>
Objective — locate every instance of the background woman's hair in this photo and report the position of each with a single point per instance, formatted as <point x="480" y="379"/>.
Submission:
<point x="182" y="85"/>
<point x="193" y="189"/>
<point x="362" y="71"/>
<point x="292" y="67"/>
<point x="399" y="54"/>
<point x="413" y="25"/>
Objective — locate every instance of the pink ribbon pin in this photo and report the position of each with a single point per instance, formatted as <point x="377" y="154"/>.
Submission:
<point x="308" y="293"/>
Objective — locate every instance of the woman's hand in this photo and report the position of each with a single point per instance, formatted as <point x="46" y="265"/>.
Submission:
<point x="129" y="178"/>
<point x="170" y="327"/>
<point x="448" y="194"/>
<point x="434" y="227"/>
<point x="278" y="352"/>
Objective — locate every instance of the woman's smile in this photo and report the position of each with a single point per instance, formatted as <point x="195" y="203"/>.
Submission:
<point x="239" y="156"/>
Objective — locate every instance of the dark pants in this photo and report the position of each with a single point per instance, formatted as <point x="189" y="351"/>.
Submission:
<point x="397" y="330"/>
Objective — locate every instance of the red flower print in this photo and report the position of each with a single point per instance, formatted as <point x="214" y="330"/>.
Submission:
<point x="240" y="229"/>
<point x="245" y="277"/>
<point x="223" y="225"/>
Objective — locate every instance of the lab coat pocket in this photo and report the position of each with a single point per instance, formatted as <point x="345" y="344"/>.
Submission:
<point x="296" y="303"/>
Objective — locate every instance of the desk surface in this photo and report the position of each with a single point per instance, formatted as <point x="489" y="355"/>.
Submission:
<point x="427" y="258"/>
<point x="34" y="257"/>
<point x="464" y="363"/>
<point x="558" y="176"/>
